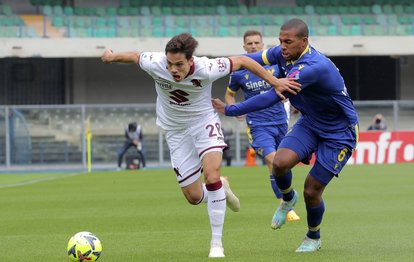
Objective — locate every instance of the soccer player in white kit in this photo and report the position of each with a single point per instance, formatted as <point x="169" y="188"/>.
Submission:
<point x="193" y="130"/>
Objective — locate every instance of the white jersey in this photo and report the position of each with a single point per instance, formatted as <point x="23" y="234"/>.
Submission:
<point x="182" y="104"/>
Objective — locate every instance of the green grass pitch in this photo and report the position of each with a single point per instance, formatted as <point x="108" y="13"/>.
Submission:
<point x="142" y="216"/>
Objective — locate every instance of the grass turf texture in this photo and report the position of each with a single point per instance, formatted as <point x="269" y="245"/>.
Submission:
<point x="142" y="216"/>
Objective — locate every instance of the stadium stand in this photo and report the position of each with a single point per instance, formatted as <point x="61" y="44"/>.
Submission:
<point x="229" y="18"/>
<point x="57" y="133"/>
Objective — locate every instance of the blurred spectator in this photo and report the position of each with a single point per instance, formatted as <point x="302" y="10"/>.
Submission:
<point x="227" y="133"/>
<point x="133" y="135"/>
<point x="378" y="123"/>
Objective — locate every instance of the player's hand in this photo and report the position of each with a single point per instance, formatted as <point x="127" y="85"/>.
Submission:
<point x="240" y="118"/>
<point x="219" y="105"/>
<point x="289" y="85"/>
<point x="107" y="56"/>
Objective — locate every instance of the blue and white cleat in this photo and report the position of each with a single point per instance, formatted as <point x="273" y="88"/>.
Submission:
<point x="279" y="218"/>
<point x="309" y="245"/>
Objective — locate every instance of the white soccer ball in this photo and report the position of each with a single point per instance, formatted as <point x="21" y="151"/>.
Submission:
<point x="84" y="246"/>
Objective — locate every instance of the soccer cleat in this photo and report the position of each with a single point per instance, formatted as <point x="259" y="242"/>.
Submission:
<point x="309" y="245"/>
<point x="279" y="218"/>
<point x="292" y="216"/>
<point x="216" y="251"/>
<point x="232" y="201"/>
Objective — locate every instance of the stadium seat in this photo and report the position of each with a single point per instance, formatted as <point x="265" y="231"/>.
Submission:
<point x="100" y="12"/>
<point x="99" y="22"/>
<point x="332" y="30"/>
<point x="223" y="31"/>
<point x="343" y="9"/>
<point x="297" y="10"/>
<point x="181" y="21"/>
<point x="205" y="31"/>
<point x="405" y="19"/>
<point x="393" y="20"/>
<point x="47" y="10"/>
<point x="199" y="10"/>
<point x="124" y="3"/>
<point x="145" y="11"/>
<point x="270" y="31"/>
<point x="320" y="30"/>
<point x="57" y="21"/>
<point x="169" y="31"/>
<point x="133" y="11"/>
<point x="375" y="30"/>
<point x="9" y="31"/>
<point x="369" y="20"/>
<point x="356" y="30"/>
<point x="68" y="10"/>
<point x="180" y="30"/>
<point x="177" y="11"/>
<point x="309" y="9"/>
<point x="123" y="32"/>
<point x="123" y="22"/>
<point x="221" y="10"/>
<point x="376" y="9"/>
<point x="145" y="32"/>
<point x="111" y="11"/>
<point x="242" y="9"/>
<point x="387" y="9"/>
<point x="157" y="21"/>
<point x="57" y="10"/>
<point x="111" y="21"/>
<point x="6" y="10"/>
<point x="158" y="32"/>
<point x="325" y="20"/>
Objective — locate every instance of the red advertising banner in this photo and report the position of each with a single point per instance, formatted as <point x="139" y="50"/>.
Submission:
<point x="378" y="147"/>
<point x="384" y="148"/>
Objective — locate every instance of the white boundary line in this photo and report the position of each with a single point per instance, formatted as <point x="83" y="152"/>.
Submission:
<point x="34" y="181"/>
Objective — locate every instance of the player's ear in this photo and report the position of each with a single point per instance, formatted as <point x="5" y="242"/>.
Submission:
<point x="191" y="61"/>
<point x="305" y="41"/>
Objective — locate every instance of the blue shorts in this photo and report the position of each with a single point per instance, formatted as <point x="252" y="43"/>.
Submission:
<point x="332" y="149"/>
<point x="266" y="139"/>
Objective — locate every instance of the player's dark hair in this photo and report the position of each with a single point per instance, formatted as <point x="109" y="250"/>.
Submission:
<point x="251" y="33"/>
<point x="132" y="127"/>
<point x="300" y="26"/>
<point x="182" y="43"/>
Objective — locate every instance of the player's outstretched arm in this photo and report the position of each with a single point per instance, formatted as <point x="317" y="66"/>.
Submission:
<point x="252" y="104"/>
<point x="230" y="99"/>
<point x="109" y="57"/>
<point x="280" y="84"/>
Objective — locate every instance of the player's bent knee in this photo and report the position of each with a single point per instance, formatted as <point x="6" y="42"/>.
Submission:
<point x="192" y="197"/>
<point x="193" y="200"/>
<point x="280" y="165"/>
<point x="212" y="177"/>
<point x="312" y="197"/>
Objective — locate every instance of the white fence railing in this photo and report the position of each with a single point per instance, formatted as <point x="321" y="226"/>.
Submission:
<point x="41" y="136"/>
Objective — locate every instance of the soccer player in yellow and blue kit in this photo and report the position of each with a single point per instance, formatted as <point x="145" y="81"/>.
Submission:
<point x="266" y="127"/>
<point x="328" y="126"/>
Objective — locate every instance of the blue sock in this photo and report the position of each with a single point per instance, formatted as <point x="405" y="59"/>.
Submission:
<point x="274" y="187"/>
<point x="284" y="183"/>
<point x="315" y="215"/>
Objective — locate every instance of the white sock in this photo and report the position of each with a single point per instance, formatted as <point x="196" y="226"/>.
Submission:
<point x="216" y="206"/>
<point x="205" y="194"/>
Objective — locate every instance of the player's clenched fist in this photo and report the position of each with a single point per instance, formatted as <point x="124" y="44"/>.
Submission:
<point x="107" y="56"/>
<point x="219" y="105"/>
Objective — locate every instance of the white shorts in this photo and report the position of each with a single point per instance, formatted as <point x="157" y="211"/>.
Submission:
<point x="188" y="147"/>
